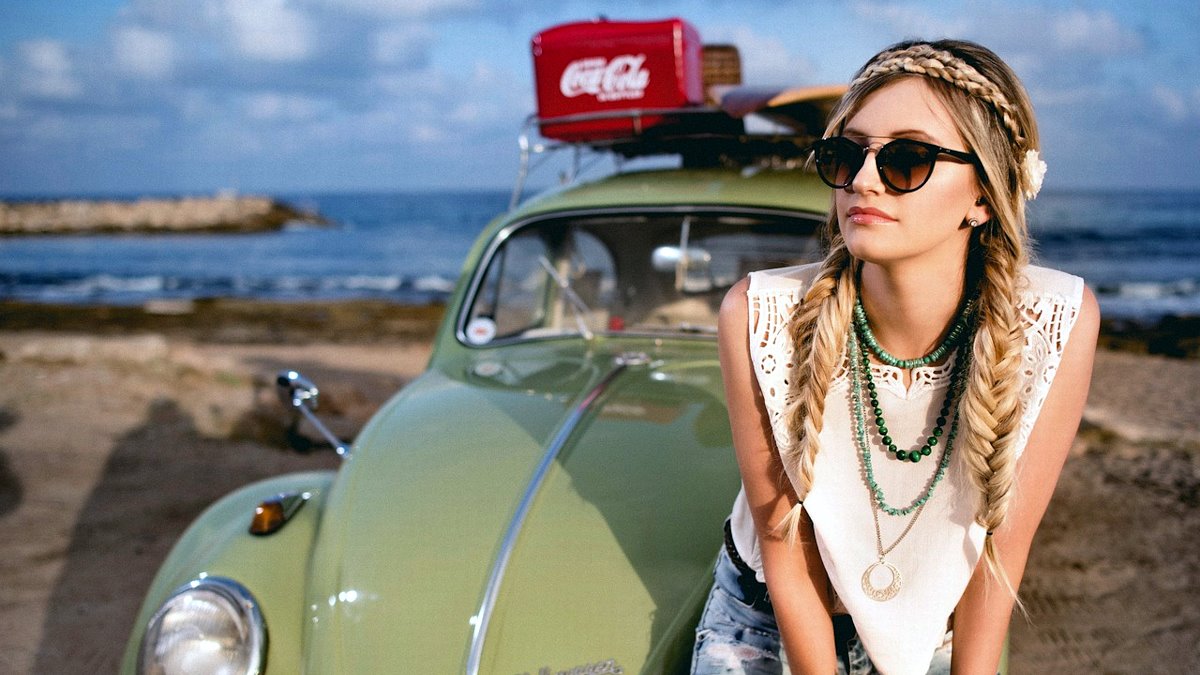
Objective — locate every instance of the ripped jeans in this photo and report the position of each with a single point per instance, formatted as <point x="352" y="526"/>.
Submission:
<point x="738" y="634"/>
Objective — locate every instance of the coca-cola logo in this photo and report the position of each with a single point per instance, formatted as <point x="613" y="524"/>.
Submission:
<point x="620" y="78"/>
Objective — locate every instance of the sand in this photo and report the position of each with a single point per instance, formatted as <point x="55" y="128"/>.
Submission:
<point x="110" y="445"/>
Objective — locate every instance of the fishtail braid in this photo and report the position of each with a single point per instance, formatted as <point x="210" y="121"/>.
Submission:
<point x="818" y="330"/>
<point x="991" y="402"/>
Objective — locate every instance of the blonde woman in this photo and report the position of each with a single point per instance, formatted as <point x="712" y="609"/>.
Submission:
<point x="901" y="411"/>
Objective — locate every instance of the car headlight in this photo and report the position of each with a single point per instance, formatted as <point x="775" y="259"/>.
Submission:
<point x="210" y="625"/>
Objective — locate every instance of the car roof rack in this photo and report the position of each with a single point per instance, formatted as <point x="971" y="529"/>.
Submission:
<point x="783" y="122"/>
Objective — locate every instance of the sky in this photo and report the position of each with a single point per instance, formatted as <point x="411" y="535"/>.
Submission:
<point x="284" y="96"/>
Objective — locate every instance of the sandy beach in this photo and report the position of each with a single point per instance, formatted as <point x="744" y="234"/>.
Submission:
<point x="115" y="434"/>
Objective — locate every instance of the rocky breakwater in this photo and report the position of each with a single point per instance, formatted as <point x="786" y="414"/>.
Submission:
<point x="221" y="213"/>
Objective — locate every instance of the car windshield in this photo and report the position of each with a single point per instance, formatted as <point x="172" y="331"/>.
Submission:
<point x="626" y="273"/>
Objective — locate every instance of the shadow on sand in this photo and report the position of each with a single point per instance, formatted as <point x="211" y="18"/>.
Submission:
<point x="158" y="478"/>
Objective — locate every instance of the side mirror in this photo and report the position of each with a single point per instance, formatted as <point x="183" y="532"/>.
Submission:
<point x="296" y="391"/>
<point x="692" y="267"/>
<point x="300" y="395"/>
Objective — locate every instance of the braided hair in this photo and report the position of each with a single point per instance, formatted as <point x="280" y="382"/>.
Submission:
<point x="993" y="114"/>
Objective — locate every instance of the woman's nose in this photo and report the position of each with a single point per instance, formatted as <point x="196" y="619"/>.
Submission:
<point x="867" y="179"/>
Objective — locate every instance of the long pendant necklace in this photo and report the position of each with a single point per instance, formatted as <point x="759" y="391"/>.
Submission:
<point x="860" y="363"/>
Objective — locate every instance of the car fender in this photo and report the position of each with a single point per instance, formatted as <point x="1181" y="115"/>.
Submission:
<point x="272" y="567"/>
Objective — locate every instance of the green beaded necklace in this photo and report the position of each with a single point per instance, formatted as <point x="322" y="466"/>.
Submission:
<point x="863" y="327"/>
<point x="915" y="454"/>
<point x="860" y="373"/>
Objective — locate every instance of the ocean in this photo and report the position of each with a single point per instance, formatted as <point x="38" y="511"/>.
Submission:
<point x="1138" y="250"/>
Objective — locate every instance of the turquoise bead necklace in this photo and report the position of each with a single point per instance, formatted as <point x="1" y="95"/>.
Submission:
<point x="863" y="327"/>
<point x="862" y="330"/>
<point x="860" y="373"/>
<point x="860" y="367"/>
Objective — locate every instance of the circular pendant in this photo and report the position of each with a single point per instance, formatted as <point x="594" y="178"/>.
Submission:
<point x="886" y="593"/>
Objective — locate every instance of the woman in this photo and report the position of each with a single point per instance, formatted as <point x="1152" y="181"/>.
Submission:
<point x="902" y="410"/>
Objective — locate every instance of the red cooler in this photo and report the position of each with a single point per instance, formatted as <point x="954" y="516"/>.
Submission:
<point x="597" y="67"/>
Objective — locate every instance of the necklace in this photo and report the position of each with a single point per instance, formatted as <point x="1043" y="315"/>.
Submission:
<point x="859" y="362"/>
<point x="931" y="441"/>
<point x="863" y="327"/>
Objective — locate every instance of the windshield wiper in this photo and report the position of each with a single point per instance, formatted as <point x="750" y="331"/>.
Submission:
<point x="578" y="307"/>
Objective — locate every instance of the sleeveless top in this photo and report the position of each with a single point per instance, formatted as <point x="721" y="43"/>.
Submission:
<point x="938" y="555"/>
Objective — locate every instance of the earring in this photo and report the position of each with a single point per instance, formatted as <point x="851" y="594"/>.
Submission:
<point x="973" y="223"/>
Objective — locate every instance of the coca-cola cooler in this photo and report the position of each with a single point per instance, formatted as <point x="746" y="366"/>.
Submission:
<point x="593" y="68"/>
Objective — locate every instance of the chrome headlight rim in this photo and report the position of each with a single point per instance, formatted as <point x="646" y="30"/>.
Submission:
<point x="237" y="597"/>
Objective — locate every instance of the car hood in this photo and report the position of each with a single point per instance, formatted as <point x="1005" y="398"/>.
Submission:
<point x="614" y="546"/>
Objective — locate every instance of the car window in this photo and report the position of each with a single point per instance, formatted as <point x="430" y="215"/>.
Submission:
<point x="626" y="273"/>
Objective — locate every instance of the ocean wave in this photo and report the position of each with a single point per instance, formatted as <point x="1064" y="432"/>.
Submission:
<point x="1147" y="290"/>
<point x="136" y="289"/>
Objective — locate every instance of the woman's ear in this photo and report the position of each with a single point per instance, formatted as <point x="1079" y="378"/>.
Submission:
<point x="980" y="211"/>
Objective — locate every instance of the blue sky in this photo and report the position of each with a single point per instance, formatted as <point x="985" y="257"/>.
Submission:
<point x="133" y="96"/>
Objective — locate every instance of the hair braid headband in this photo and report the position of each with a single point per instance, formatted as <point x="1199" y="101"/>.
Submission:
<point x="923" y="59"/>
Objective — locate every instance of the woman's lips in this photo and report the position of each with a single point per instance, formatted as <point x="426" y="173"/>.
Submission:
<point x="861" y="215"/>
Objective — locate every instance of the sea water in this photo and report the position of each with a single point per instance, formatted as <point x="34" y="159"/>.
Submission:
<point x="1140" y="252"/>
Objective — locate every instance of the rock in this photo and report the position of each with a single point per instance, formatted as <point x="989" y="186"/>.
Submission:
<point x="222" y="213"/>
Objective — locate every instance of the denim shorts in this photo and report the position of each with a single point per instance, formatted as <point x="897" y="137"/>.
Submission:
<point x="738" y="634"/>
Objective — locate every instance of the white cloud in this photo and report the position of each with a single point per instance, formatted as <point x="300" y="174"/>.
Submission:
<point x="1081" y="31"/>
<point x="766" y="60"/>
<point x="909" y="21"/>
<point x="401" y="43"/>
<point x="397" y="8"/>
<point x="48" y="70"/>
<point x="270" y="30"/>
<point x="143" y="53"/>
<point x="1172" y="103"/>
<point x="273" y="106"/>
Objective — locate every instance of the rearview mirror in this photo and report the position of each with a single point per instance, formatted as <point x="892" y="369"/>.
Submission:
<point x="693" y="268"/>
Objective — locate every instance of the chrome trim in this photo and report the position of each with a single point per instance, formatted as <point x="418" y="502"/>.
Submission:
<point x="299" y="394"/>
<point x="483" y="616"/>
<point x="477" y="276"/>
<point x="232" y="592"/>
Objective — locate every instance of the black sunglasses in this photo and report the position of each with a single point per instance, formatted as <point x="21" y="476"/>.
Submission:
<point x="904" y="164"/>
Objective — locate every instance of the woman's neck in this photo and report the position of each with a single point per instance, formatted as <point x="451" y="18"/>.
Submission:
<point x="911" y="309"/>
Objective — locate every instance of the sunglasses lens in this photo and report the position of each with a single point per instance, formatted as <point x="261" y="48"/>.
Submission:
<point x="838" y="160"/>
<point x="906" y="165"/>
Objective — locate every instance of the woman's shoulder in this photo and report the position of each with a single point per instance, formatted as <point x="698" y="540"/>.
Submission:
<point x="1039" y="284"/>
<point x="794" y="278"/>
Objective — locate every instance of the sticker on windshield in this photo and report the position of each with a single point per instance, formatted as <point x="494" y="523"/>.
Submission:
<point x="481" y="330"/>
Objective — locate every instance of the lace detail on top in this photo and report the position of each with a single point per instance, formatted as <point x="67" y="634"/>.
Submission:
<point x="771" y="347"/>
<point x="1047" y="315"/>
<point x="1048" y="319"/>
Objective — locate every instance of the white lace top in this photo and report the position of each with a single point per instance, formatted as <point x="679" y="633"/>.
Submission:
<point x="937" y="557"/>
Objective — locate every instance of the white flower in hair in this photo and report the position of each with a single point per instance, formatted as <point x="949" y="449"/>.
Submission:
<point x="1034" y="170"/>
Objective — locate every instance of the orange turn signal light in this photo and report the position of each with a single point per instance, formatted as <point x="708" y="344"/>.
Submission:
<point x="272" y="514"/>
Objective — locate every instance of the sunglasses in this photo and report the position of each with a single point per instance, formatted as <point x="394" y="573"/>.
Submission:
<point x="904" y="164"/>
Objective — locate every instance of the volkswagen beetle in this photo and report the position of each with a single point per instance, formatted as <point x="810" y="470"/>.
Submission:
<point x="548" y="495"/>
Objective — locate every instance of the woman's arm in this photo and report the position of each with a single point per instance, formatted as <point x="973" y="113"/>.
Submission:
<point x="795" y="576"/>
<point x="982" y="616"/>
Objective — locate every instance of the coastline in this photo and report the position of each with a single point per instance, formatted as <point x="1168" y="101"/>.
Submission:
<point x="365" y="320"/>
<point x="217" y="214"/>
<point x="119" y="425"/>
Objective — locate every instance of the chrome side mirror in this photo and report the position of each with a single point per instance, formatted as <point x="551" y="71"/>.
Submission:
<point x="300" y="395"/>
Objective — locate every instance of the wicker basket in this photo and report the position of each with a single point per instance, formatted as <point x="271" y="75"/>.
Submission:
<point x="722" y="65"/>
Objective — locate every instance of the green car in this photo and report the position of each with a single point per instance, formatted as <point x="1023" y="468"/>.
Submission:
<point x="548" y="496"/>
